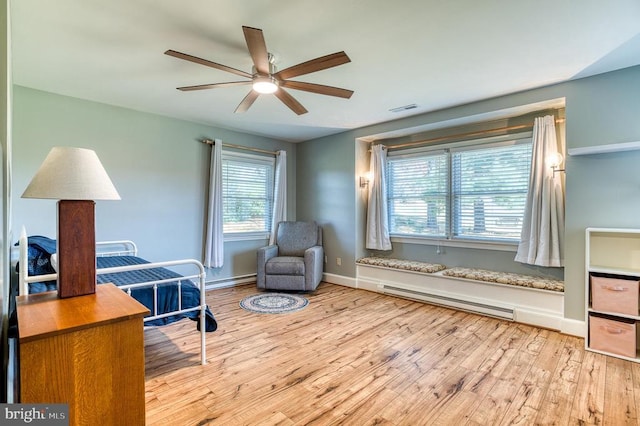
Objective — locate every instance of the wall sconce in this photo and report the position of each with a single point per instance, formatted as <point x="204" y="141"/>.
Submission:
<point x="365" y="180"/>
<point x="554" y="160"/>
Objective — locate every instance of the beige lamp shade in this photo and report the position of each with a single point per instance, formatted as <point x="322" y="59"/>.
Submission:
<point x="71" y="174"/>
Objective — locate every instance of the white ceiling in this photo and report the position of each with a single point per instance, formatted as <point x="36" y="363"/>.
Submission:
<point x="432" y="53"/>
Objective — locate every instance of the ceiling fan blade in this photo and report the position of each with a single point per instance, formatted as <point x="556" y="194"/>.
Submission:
<point x="290" y="101"/>
<point x="257" y="49"/>
<point x="213" y="86"/>
<point x="247" y="101"/>
<point x="207" y="63"/>
<point x="317" y="64"/>
<point x="317" y="88"/>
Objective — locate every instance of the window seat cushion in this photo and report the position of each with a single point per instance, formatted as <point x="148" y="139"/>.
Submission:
<point x="505" y="278"/>
<point x="407" y="265"/>
<point x="476" y="274"/>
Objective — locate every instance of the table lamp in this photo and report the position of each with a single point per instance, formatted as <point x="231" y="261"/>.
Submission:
<point x="76" y="178"/>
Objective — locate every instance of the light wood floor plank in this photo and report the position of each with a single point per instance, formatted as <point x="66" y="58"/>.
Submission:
<point x="528" y="400"/>
<point x="354" y="357"/>
<point x="635" y="371"/>
<point x="588" y="403"/>
<point x="558" y="398"/>
<point x="619" y="403"/>
<point x="440" y="385"/>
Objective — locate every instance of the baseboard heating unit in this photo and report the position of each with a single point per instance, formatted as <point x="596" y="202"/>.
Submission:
<point x="503" y="312"/>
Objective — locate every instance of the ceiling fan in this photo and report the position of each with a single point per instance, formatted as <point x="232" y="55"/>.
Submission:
<point x="265" y="78"/>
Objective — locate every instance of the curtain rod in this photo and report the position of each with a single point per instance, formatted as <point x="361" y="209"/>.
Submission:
<point x="468" y="134"/>
<point x="229" y="145"/>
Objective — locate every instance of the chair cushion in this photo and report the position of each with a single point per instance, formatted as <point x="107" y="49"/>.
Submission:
<point x="293" y="238"/>
<point x="285" y="265"/>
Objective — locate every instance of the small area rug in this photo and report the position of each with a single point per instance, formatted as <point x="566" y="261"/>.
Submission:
<point x="273" y="303"/>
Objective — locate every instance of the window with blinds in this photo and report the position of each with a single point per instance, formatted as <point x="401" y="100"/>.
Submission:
<point x="417" y="194"/>
<point x="471" y="192"/>
<point x="247" y="193"/>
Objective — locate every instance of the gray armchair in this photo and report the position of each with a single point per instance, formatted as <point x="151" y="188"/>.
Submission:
<point x="296" y="259"/>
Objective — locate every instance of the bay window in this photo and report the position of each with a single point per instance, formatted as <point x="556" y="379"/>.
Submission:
<point x="466" y="191"/>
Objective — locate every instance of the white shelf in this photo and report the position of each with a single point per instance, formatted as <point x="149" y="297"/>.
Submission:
<point x="615" y="314"/>
<point x="604" y="149"/>
<point x="636" y="359"/>
<point x="633" y="272"/>
<point x="613" y="250"/>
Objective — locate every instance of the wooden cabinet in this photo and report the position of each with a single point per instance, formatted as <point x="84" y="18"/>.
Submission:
<point x="86" y="351"/>
<point x="612" y="292"/>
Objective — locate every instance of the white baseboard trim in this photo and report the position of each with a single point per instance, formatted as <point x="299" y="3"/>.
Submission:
<point x="574" y="327"/>
<point x="365" y="284"/>
<point x="251" y="278"/>
<point x="339" y="279"/>
<point x="230" y="282"/>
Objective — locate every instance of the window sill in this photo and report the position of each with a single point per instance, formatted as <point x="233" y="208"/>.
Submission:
<point x="246" y="236"/>
<point x="474" y="244"/>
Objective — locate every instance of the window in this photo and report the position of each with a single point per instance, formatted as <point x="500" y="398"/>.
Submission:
<point x="469" y="191"/>
<point x="418" y="194"/>
<point x="247" y="193"/>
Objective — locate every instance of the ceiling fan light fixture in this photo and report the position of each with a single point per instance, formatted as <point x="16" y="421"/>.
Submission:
<point x="265" y="85"/>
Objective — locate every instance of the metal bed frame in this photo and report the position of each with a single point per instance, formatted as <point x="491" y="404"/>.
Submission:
<point x="129" y="248"/>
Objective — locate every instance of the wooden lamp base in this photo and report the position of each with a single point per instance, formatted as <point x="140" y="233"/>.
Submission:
<point x="76" y="248"/>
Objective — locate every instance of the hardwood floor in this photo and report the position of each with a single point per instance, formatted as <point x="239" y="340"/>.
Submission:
<point x="354" y="357"/>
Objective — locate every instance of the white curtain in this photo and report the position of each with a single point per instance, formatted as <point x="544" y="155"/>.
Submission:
<point x="377" y="237"/>
<point x="214" y="248"/>
<point x="279" y="194"/>
<point x="542" y="238"/>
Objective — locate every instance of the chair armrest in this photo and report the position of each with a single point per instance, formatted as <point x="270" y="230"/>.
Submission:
<point x="313" y="264"/>
<point x="264" y="254"/>
<point x="267" y="252"/>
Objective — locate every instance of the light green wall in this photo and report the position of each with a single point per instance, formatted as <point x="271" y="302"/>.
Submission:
<point x="603" y="109"/>
<point x="157" y="164"/>
<point x="602" y="190"/>
<point x="328" y="198"/>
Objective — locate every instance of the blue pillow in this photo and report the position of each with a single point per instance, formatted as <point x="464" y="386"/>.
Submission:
<point x="44" y="244"/>
<point x="39" y="253"/>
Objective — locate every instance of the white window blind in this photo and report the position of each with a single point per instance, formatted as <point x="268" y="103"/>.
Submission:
<point x="469" y="191"/>
<point x="489" y="191"/>
<point x="417" y="191"/>
<point x="247" y="193"/>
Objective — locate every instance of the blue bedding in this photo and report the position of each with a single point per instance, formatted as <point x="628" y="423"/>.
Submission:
<point x="39" y="254"/>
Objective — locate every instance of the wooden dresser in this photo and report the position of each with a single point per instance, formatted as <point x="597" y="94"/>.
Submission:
<point x="85" y="351"/>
